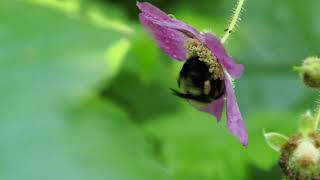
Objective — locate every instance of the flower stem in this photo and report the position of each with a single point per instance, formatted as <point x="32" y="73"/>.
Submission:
<point x="234" y="20"/>
<point x="316" y="124"/>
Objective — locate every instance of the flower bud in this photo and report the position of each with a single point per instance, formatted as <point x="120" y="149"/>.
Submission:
<point x="300" y="157"/>
<point x="300" y="154"/>
<point x="310" y="72"/>
<point x="307" y="123"/>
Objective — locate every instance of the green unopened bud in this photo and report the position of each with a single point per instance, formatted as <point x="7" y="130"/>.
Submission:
<point x="307" y="123"/>
<point x="300" y="157"/>
<point x="310" y="72"/>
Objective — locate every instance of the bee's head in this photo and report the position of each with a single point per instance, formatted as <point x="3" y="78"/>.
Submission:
<point x="197" y="83"/>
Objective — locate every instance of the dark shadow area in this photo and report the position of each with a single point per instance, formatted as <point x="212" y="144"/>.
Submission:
<point x="274" y="173"/>
<point x="142" y="101"/>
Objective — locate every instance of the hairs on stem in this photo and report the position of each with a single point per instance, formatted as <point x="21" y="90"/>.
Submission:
<point x="233" y="23"/>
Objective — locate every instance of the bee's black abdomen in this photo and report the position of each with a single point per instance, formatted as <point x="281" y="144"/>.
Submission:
<point x="193" y="76"/>
<point x="195" y="70"/>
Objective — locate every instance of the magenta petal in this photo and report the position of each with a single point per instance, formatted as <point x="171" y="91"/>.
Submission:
<point x="215" y="108"/>
<point x="234" y="118"/>
<point x="159" y="17"/>
<point x="170" y="33"/>
<point x="217" y="48"/>
<point x="153" y="11"/>
<point x="170" y="41"/>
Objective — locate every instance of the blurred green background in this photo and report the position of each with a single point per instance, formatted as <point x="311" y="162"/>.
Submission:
<point x="84" y="91"/>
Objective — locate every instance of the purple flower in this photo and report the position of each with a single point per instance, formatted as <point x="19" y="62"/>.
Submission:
<point x="182" y="42"/>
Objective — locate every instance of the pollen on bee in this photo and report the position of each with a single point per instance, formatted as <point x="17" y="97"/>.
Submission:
<point x="207" y="87"/>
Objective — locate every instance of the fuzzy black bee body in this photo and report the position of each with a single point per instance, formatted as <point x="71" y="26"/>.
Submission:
<point x="197" y="83"/>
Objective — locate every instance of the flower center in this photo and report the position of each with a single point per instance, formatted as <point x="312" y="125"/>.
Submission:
<point x="200" y="50"/>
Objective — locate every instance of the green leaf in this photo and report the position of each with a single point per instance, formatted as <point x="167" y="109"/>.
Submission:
<point x="145" y="55"/>
<point x="275" y="140"/>
<point x="115" y="56"/>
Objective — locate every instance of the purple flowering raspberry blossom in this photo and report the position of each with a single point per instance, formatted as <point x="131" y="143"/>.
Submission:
<point x="173" y="36"/>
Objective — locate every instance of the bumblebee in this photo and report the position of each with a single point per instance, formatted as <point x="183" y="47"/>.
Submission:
<point x="197" y="83"/>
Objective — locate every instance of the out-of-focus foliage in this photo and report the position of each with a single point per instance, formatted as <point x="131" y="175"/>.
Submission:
<point x="85" y="91"/>
<point x="53" y="126"/>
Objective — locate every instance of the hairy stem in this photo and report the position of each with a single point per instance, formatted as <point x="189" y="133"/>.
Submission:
<point x="233" y="22"/>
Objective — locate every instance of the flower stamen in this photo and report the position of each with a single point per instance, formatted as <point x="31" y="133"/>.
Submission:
<point x="196" y="48"/>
